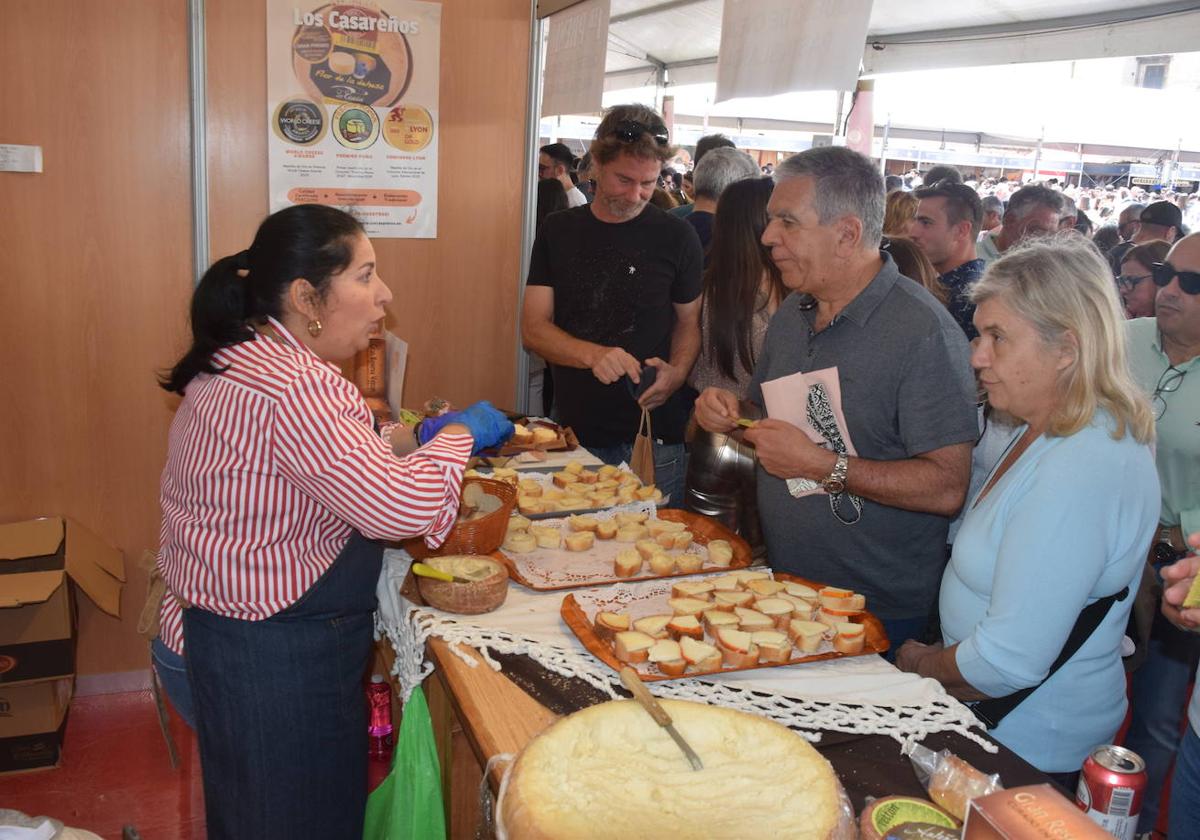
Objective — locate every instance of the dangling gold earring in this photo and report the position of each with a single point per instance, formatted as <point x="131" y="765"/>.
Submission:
<point x="314" y="328"/>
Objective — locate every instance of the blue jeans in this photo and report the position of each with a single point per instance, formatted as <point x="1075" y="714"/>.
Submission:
<point x="281" y="710"/>
<point x="1185" y="789"/>
<point x="670" y="466"/>
<point x="172" y="675"/>
<point x="1159" y="700"/>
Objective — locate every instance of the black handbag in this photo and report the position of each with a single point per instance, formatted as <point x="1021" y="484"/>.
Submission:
<point x="995" y="709"/>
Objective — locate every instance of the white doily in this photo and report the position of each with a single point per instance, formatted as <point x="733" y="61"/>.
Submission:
<point x="408" y="627"/>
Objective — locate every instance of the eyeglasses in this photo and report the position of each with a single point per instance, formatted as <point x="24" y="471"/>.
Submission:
<point x="1168" y="383"/>
<point x="1127" y="282"/>
<point x="630" y="131"/>
<point x="1164" y="272"/>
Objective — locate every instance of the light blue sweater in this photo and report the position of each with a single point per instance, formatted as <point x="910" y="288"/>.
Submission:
<point x="1068" y="523"/>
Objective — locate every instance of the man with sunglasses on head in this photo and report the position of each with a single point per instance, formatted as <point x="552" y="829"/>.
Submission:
<point x="612" y="302"/>
<point x="1164" y="354"/>
<point x="947" y="224"/>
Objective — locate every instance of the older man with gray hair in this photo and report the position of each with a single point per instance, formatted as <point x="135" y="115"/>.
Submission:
<point x="719" y="168"/>
<point x="888" y="392"/>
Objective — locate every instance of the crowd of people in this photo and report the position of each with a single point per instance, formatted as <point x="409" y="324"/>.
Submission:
<point x="990" y="428"/>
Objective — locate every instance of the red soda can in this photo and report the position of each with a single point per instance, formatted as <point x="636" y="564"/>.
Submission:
<point x="1110" y="790"/>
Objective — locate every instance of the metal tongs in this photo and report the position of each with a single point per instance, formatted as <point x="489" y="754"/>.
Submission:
<point x="631" y="680"/>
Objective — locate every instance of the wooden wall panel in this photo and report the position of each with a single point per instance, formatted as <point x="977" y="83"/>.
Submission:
<point x="455" y="296"/>
<point x="95" y="275"/>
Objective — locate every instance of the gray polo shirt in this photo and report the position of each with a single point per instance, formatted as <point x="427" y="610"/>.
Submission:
<point x="907" y="388"/>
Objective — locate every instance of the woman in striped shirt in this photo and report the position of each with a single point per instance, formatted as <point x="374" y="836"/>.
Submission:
<point x="275" y="495"/>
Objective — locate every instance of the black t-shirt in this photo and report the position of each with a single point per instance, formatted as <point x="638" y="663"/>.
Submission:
<point x="616" y="285"/>
<point x="702" y="221"/>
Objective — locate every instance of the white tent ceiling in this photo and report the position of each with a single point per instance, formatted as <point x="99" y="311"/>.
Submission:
<point x="683" y="36"/>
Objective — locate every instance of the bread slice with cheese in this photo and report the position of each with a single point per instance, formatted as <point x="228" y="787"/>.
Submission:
<point x="773" y="646"/>
<point x="700" y="656"/>
<point x="654" y="626"/>
<point x="751" y="620"/>
<point x="668" y="658"/>
<point x="632" y="646"/>
<point x="608" y="624"/>
<point x="715" y="619"/>
<point x="849" y="638"/>
<point x="685" y="626"/>
<point x="807" y="635"/>
<point x="737" y="648"/>
<point x="777" y="609"/>
<point x="701" y="589"/>
<point x="687" y="606"/>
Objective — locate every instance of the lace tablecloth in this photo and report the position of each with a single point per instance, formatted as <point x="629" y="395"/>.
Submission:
<point x="863" y="695"/>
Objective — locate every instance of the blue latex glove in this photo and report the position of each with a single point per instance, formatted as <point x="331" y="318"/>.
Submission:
<point x="487" y="425"/>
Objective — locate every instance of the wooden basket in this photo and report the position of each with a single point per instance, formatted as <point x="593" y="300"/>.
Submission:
<point x="483" y="535"/>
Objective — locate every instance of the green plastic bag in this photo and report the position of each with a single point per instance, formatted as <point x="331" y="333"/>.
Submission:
<point x="407" y="805"/>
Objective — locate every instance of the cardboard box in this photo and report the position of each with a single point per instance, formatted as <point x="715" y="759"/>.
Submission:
<point x="1036" y="812"/>
<point x="33" y="718"/>
<point x="37" y="630"/>
<point x="37" y="638"/>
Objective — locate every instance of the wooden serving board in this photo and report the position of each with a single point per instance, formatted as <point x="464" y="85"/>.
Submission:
<point x="575" y="617"/>
<point x="703" y="530"/>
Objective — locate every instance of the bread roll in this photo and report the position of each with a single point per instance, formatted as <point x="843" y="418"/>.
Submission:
<point x="682" y="539"/>
<point x="548" y="538"/>
<point x="662" y="564"/>
<point x="606" y="529"/>
<point x="628" y="563"/>
<point x="720" y="552"/>
<point x="689" y="564"/>
<point x="647" y="548"/>
<point x="582" y="523"/>
<point x="631" y="533"/>
<point x="580" y="541"/>
<point x="627" y="517"/>
<point x="519" y="542"/>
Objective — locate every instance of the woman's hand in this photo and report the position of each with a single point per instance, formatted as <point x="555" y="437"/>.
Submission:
<point x="717" y="410"/>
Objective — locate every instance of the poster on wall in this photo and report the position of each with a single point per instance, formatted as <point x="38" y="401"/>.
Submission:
<point x="352" y="105"/>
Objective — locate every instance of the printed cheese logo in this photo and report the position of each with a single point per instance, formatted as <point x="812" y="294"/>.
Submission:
<point x="353" y="54"/>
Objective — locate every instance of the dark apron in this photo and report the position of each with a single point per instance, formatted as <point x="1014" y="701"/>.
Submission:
<point x="280" y="708"/>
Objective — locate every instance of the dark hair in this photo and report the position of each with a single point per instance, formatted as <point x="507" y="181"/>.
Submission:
<point x="1148" y="253"/>
<point x="913" y="264"/>
<point x="551" y="197"/>
<point x="1106" y="237"/>
<point x="893" y="182"/>
<point x="962" y="203"/>
<point x="608" y="146"/>
<point x="709" y="142"/>
<point x="663" y="200"/>
<point x="561" y="153"/>
<point x="941" y="172"/>
<point x="312" y="241"/>
<point x="732" y="279"/>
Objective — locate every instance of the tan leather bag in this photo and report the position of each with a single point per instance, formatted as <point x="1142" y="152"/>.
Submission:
<point x="641" y="461"/>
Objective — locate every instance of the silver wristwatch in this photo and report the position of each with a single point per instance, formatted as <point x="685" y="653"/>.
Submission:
<point x="835" y="482"/>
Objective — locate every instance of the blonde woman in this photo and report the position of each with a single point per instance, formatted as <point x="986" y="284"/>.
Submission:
<point x="1062" y="521"/>
<point x="899" y="212"/>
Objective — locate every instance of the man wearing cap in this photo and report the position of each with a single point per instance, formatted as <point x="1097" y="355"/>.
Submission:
<point x="612" y="302"/>
<point x="556" y="161"/>
<point x="1032" y="210"/>
<point x="946" y="227"/>
<point x="1159" y="220"/>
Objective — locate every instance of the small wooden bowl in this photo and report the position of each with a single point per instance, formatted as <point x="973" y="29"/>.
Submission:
<point x="486" y="590"/>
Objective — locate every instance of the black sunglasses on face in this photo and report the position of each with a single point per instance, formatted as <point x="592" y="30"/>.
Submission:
<point x="1164" y="272"/>
<point x="629" y="132"/>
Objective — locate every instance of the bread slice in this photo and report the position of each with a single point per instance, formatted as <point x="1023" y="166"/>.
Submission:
<point x="701" y="656"/>
<point x="727" y="583"/>
<point x="548" y="538"/>
<point x="644" y="493"/>
<point x="751" y="620"/>
<point x="833" y="596"/>
<point x="701" y="589"/>
<point x="654" y="626"/>
<point x="737" y="648"/>
<point x="587" y="477"/>
<point x="647" y="548"/>
<point x="665" y="539"/>
<point x="529" y="504"/>
<point x="627" y="517"/>
<point x="607" y="471"/>
<point x="572" y="503"/>
<point x="682" y="539"/>
<point x="582" y="523"/>
<point x="777" y="609"/>
<point x="519" y="542"/>
<point x="632" y="647"/>
<point x="631" y="533"/>
<point x="765" y="588"/>
<point x="720" y="552"/>
<point x="799" y="590"/>
<point x="563" y="478"/>
<point x="573" y="468"/>
<point x="849" y="638"/>
<point x="688" y="626"/>
<point x="807" y="635"/>
<point x="715" y="619"/>
<point x="668" y="658"/>
<point x="628" y="563"/>
<point x="580" y="541"/>
<point x="687" y="606"/>
<point x="608" y="624"/>
<point x="801" y="607"/>
<point x="736" y="599"/>
<point x="662" y="564"/>
<point x="747" y="575"/>
<point x="606" y="529"/>
<point x="529" y="487"/>
<point x="773" y="646"/>
<point x="689" y="563"/>
<point x="518" y="523"/>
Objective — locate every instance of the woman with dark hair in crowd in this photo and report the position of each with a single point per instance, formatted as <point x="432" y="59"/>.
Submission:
<point x="1135" y="282"/>
<point x="742" y="290"/>
<point x="914" y="265"/>
<point x="276" y="495"/>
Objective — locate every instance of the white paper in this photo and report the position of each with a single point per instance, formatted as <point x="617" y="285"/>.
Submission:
<point x="786" y="399"/>
<point x="576" y="49"/>
<point x="14" y="158"/>
<point x="770" y="47"/>
<point x="397" y="363"/>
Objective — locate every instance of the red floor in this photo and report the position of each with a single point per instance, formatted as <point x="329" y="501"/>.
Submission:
<point x="115" y="772"/>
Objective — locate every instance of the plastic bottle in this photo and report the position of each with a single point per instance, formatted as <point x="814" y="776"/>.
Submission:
<point x="379" y="726"/>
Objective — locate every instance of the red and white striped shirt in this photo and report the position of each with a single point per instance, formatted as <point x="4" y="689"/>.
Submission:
<point x="270" y="465"/>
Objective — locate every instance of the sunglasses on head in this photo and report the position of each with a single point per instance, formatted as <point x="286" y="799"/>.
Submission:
<point x="1164" y="272"/>
<point x="630" y="131"/>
